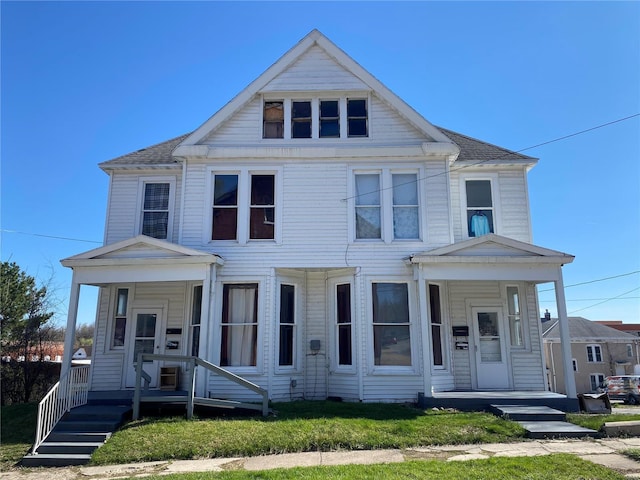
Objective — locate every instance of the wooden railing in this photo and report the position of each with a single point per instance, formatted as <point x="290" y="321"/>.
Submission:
<point x="191" y="400"/>
<point x="71" y="391"/>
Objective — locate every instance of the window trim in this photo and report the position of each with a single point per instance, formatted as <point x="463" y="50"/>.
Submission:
<point x="374" y="369"/>
<point x="594" y="347"/>
<point x="244" y="204"/>
<point x="495" y="197"/>
<point x="142" y="181"/>
<point x="385" y="173"/>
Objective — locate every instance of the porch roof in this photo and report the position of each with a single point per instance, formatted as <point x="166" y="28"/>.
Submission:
<point x="140" y="259"/>
<point x="491" y="257"/>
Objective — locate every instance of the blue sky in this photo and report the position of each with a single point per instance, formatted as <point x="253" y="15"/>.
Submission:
<point x="86" y="82"/>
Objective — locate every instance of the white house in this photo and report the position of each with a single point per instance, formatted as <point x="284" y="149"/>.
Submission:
<point x="321" y="239"/>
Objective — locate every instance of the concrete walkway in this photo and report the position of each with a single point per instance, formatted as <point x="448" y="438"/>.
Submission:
<point x="605" y="452"/>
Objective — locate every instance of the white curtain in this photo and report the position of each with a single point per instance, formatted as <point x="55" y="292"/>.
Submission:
<point x="241" y="339"/>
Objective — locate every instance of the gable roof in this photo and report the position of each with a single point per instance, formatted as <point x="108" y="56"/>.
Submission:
<point x="162" y="154"/>
<point x="288" y="59"/>
<point x="491" y="246"/>
<point x="582" y="329"/>
<point x="140" y="249"/>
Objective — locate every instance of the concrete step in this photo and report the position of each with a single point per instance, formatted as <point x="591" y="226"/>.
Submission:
<point x="80" y="437"/>
<point x="527" y="413"/>
<point x="553" y="429"/>
<point x="86" y="426"/>
<point x="55" y="460"/>
<point x="98" y="412"/>
<point x="68" y="447"/>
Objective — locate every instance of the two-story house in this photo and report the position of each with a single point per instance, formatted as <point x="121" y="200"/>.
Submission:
<point x="320" y="238"/>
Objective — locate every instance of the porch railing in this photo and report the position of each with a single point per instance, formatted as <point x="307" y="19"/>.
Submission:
<point x="191" y="399"/>
<point x="71" y="391"/>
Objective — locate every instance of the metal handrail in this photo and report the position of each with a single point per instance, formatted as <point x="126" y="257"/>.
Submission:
<point x="192" y="361"/>
<point x="71" y="391"/>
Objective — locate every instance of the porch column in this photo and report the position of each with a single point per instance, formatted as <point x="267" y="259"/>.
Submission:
<point x="70" y="331"/>
<point x="205" y="322"/>
<point x="565" y="338"/>
<point x="423" y="303"/>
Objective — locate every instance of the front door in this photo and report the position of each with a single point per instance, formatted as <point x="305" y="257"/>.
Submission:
<point x="492" y="371"/>
<point x="144" y="337"/>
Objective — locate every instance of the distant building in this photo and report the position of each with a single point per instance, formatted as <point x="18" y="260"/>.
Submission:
<point x="597" y="351"/>
<point x="632" y="328"/>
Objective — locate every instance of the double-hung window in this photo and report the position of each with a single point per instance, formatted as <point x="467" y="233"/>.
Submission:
<point x="594" y="354"/>
<point x="273" y="119"/>
<point x="515" y="318"/>
<point x="120" y="318"/>
<point x="479" y="208"/>
<point x="300" y="119"/>
<point x="196" y="318"/>
<point x="435" y="310"/>
<point x="596" y="380"/>
<point x="287" y="325"/>
<point x="225" y="207"/>
<point x="343" y="324"/>
<point x="387" y="206"/>
<point x="329" y="118"/>
<point x="243" y="206"/>
<point x="357" y="117"/>
<point x="391" y="324"/>
<point x="239" y="325"/>
<point x="155" y="212"/>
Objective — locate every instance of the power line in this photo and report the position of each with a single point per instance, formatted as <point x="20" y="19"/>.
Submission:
<point x="593" y="281"/>
<point x="3" y="230"/>
<point x="507" y="154"/>
<point x="605" y="301"/>
<point x="597" y="299"/>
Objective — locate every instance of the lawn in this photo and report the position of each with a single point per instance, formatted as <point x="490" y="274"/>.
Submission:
<point x="596" y="421"/>
<point x="18" y="427"/>
<point x="550" y="467"/>
<point x="301" y="427"/>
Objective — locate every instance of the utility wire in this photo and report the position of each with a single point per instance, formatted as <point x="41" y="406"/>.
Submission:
<point x="506" y="154"/>
<point x="3" y="230"/>
<point x="605" y="301"/>
<point x="593" y="281"/>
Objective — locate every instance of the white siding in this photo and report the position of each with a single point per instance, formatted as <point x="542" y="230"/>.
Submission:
<point x="124" y="209"/>
<point x="437" y="204"/>
<point x="315" y="70"/>
<point x="106" y="365"/>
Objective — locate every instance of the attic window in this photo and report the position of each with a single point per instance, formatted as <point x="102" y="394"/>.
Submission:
<point x="301" y="119"/>
<point x="273" y="120"/>
<point x="357" y="117"/>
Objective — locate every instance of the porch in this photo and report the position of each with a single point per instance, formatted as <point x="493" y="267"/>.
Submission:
<point x="476" y="400"/>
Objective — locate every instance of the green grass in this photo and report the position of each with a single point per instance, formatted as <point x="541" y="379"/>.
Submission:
<point x="633" y="454"/>
<point x="17" y="431"/>
<point x="596" y="421"/>
<point x="551" y="467"/>
<point x="300" y="427"/>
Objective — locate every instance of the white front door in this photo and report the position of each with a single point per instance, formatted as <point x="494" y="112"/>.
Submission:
<point x="144" y="337"/>
<point x="492" y="370"/>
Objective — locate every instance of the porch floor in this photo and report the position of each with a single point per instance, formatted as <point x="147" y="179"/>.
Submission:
<point x="482" y="399"/>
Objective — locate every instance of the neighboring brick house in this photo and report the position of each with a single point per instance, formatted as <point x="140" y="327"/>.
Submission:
<point x="597" y="351"/>
<point x="632" y="328"/>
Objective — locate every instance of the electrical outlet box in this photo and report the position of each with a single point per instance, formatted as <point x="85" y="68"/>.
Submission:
<point x="314" y="345"/>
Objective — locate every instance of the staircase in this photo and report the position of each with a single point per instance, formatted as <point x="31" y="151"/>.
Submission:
<point x="79" y="433"/>
<point x="541" y="421"/>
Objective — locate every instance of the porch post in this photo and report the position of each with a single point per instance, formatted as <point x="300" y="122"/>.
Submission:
<point x="565" y="338"/>
<point x="205" y="322"/>
<point x="425" y="331"/>
<point x="70" y="331"/>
